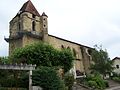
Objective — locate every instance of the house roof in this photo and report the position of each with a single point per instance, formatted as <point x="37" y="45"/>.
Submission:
<point x="29" y="7"/>
<point x="116" y="58"/>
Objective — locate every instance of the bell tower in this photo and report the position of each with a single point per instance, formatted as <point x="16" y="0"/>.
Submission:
<point x="27" y="27"/>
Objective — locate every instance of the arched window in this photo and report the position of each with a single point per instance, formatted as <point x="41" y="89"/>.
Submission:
<point x="68" y="47"/>
<point x="33" y="22"/>
<point x="33" y="25"/>
<point x="62" y="47"/>
<point x="74" y="52"/>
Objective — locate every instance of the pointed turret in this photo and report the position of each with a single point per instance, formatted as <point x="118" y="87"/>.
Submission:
<point x="45" y="26"/>
<point x="43" y="14"/>
<point x="29" y="7"/>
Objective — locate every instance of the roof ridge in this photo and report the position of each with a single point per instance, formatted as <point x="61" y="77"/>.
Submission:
<point x="29" y="7"/>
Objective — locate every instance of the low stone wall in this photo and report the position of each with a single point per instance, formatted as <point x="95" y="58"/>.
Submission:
<point x="6" y="88"/>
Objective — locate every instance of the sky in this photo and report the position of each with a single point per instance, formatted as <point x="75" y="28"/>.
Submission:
<point x="87" y="22"/>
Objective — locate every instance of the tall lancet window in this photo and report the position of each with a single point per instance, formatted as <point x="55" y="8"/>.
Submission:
<point x="33" y="22"/>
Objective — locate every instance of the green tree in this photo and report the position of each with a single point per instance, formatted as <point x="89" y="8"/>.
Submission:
<point x="47" y="78"/>
<point x="4" y="60"/>
<point x="69" y="80"/>
<point x="102" y="62"/>
<point x="43" y="54"/>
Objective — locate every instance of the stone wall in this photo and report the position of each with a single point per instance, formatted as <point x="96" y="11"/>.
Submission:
<point x="59" y="44"/>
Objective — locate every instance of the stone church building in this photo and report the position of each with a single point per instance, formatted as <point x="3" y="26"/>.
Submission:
<point x="28" y="26"/>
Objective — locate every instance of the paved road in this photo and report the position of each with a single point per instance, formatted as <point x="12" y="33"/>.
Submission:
<point x="114" y="88"/>
<point x="113" y="85"/>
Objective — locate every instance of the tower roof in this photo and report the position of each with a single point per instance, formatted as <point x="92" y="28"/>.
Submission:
<point x="43" y="14"/>
<point x="29" y="7"/>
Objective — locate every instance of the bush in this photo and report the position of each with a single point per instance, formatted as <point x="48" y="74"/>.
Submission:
<point x="92" y="84"/>
<point x="48" y="79"/>
<point x="100" y="82"/>
<point x="106" y="83"/>
<point x="69" y="80"/>
<point x="116" y="79"/>
<point x="95" y="81"/>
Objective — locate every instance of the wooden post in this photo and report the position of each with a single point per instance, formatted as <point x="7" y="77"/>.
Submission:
<point x="30" y="80"/>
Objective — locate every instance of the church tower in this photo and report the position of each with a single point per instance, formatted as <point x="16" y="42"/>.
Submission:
<point x="27" y="27"/>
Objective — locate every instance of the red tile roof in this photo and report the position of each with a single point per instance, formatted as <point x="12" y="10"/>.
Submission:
<point x="29" y="7"/>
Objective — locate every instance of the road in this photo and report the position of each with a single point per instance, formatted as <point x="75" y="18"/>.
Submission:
<point x="114" y="88"/>
<point x="113" y="85"/>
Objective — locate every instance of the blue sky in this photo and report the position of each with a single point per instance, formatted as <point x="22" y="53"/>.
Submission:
<point x="87" y="22"/>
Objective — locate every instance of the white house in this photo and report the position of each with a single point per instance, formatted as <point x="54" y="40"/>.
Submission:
<point x="116" y="65"/>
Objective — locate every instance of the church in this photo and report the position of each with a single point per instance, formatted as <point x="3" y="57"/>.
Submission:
<point x="28" y="26"/>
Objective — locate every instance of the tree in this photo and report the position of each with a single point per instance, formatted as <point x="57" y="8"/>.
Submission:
<point x="102" y="62"/>
<point x="69" y="80"/>
<point x="4" y="60"/>
<point x="43" y="54"/>
<point x="47" y="78"/>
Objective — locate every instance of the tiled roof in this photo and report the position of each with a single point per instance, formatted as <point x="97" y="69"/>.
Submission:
<point x="29" y="7"/>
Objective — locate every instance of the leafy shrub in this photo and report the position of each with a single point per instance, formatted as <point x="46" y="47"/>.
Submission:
<point x="69" y="80"/>
<point x="92" y="84"/>
<point x="106" y="83"/>
<point x="116" y="79"/>
<point x="95" y="81"/>
<point x="100" y="82"/>
<point x="48" y="79"/>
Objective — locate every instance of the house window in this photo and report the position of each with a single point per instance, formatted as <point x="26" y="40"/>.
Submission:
<point x="117" y="66"/>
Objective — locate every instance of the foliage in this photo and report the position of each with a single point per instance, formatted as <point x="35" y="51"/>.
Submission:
<point x="102" y="62"/>
<point x="92" y="84"/>
<point x="69" y="80"/>
<point x="66" y="59"/>
<point x="4" y="60"/>
<point x="43" y="54"/>
<point x="115" y="74"/>
<point x="10" y="78"/>
<point x="95" y="81"/>
<point x="116" y="79"/>
<point x="48" y="79"/>
<point x="5" y="75"/>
